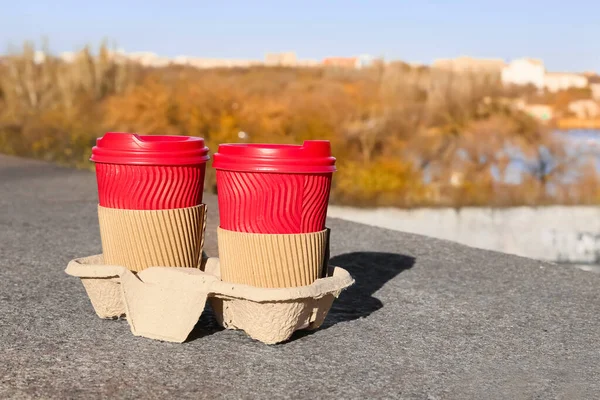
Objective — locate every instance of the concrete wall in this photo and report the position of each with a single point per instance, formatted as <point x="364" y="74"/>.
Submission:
<point x="562" y="234"/>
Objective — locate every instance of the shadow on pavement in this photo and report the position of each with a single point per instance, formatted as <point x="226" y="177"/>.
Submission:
<point x="206" y="325"/>
<point x="371" y="270"/>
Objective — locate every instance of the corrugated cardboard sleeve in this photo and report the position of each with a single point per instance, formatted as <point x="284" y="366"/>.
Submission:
<point x="138" y="239"/>
<point x="272" y="260"/>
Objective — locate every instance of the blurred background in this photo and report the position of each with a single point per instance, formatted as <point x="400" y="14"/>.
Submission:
<point x="477" y="122"/>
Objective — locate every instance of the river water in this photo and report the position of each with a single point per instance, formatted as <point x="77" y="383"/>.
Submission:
<point x="581" y="136"/>
<point x="577" y="144"/>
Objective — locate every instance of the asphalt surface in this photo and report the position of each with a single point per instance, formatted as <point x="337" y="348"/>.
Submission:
<point x="427" y="319"/>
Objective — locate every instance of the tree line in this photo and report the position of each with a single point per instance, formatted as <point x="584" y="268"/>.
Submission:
<point x="404" y="136"/>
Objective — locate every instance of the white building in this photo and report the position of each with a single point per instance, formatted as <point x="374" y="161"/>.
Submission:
<point x="39" y="57"/>
<point x="557" y="81"/>
<point x="585" y="109"/>
<point x="207" y="63"/>
<point x="364" y="61"/>
<point x="541" y="112"/>
<point x="148" y="59"/>
<point x="527" y="71"/>
<point x="68" y="56"/>
<point x="523" y="72"/>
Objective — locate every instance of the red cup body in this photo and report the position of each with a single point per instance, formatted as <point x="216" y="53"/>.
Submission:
<point x="139" y="172"/>
<point x="274" y="189"/>
<point x="149" y="187"/>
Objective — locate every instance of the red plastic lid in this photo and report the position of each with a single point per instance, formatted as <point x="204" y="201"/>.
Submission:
<point x="131" y="148"/>
<point x="314" y="156"/>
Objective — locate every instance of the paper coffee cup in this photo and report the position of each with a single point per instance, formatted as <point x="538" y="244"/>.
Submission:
<point x="145" y="172"/>
<point x="274" y="189"/>
<point x="150" y="199"/>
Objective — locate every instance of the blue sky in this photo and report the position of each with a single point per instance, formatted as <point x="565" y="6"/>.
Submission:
<point x="565" y="34"/>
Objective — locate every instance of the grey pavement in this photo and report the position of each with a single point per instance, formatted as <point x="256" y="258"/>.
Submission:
<point x="427" y="319"/>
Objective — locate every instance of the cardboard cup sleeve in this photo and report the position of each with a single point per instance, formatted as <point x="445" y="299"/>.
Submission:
<point x="272" y="260"/>
<point x="138" y="239"/>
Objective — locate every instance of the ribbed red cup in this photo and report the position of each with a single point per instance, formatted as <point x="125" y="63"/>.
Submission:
<point x="274" y="188"/>
<point x="144" y="172"/>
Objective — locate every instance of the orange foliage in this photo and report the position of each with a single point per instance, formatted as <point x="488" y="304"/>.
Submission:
<point x="403" y="136"/>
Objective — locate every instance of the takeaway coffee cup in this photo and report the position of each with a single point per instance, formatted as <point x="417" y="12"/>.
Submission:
<point x="273" y="204"/>
<point x="150" y="199"/>
<point x="274" y="188"/>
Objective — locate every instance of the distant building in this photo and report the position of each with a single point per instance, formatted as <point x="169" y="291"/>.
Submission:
<point x="68" y="56"/>
<point x="594" y="83"/>
<point x="287" y="59"/>
<point x="364" y="61"/>
<point x="470" y="64"/>
<point x="457" y="178"/>
<point x="342" y="62"/>
<point x="527" y="71"/>
<point x="148" y="59"/>
<point x="411" y="64"/>
<point x="557" y="81"/>
<point x="118" y="56"/>
<point x="206" y="63"/>
<point x="541" y="112"/>
<point x="585" y="109"/>
<point x="308" y="63"/>
<point x="39" y="57"/>
<point x="523" y="72"/>
<point x="595" y="88"/>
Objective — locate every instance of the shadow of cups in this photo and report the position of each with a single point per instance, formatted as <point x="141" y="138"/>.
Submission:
<point x="206" y="325"/>
<point x="371" y="270"/>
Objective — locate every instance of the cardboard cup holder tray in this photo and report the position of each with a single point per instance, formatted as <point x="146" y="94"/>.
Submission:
<point x="165" y="303"/>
